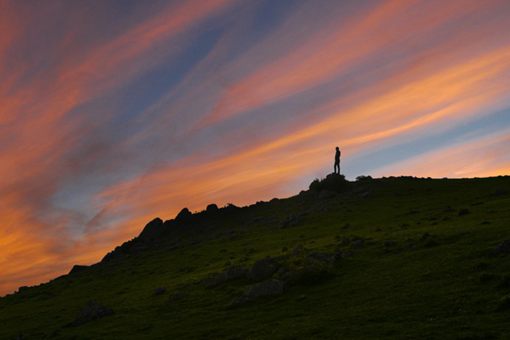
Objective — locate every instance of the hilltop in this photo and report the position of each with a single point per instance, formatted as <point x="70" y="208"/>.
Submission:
<point x="375" y="258"/>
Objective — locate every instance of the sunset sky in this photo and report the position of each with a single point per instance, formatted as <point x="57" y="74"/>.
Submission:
<point x="115" y="112"/>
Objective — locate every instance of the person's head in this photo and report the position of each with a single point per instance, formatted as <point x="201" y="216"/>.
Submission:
<point x="337" y="148"/>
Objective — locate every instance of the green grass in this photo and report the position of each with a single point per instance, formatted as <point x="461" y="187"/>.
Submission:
<point x="446" y="285"/>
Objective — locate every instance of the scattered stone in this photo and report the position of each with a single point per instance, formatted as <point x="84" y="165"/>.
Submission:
<point x="428" y="240"/>
<point x="298" y="250"/>
<point x="263" y="269"/>
<point x="266" y="288"/>
<point x="231" y="273"/>
<point x="312" y="272"/>
<point x="291" y="221"/>
<point x="505" y="282"/>
<point x="364" y="194"/>
<point x="176" y="296"/>
<point x="504" y="304"/>
<point x="503" y="248"/>
<point x="389" y="244"/>
<point x="487" y="277"/>
<point x="346" y="254"/>
<point x="425" y="236"/>
<point x="500" y="192"/>
<point x="90" y="312"/>
<point x="263" y="289"/>
<point x="482" y="266"/>
<point x="322" y="257"/>
<point x="159" y="291"/>
<point x="358" y="243"/>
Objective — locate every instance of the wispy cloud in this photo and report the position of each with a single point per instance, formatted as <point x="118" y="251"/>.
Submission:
<point x="107" y="121"/>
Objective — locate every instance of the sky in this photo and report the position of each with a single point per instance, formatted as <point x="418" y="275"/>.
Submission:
<point x="113" y="112"/>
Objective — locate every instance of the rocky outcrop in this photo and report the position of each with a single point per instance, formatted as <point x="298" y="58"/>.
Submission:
<point x="152" y="230"/>
<point x="90" y="312"/>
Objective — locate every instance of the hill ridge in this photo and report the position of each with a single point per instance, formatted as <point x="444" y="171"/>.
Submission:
<point x="372" y="258"/>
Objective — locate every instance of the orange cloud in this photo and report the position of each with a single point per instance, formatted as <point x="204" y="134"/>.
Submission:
<point x="480" y="157"/>
<point x="451" y="73"/>
<point x="37" y="132"/>
<point x="323" y="57"/>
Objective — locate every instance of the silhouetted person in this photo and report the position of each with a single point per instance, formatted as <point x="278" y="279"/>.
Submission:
<point x="337" y="160"/>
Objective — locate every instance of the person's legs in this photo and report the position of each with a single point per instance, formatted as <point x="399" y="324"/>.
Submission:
<point x="337" y="166"/>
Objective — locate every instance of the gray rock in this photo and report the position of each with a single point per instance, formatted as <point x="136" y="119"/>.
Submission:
<point x="152" y="230"/>
<point x="291" y="221"/>
<point x="503" y="248"/>
<point x="90" y="312"/>
<point x="263" y="269"/>
<point x="259" y="290"/>
<point x="298" y="250"/>
<point x="159" y="291"/>
<point x="265" y="288"/>
<point x="176" y="296"/>
<point x="231" y="273"/>
<point x="358" y="243"/>
<point x="183" y="215"/>
<point x="390" y="243"/>
<point x="322" y="257"/>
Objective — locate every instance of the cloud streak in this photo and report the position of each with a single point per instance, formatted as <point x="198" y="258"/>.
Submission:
<point x="105" y="124"/>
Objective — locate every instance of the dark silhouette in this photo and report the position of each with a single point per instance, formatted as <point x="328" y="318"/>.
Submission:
<point x="337" y="161"/>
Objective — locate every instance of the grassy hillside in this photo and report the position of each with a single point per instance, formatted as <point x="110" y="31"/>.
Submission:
<point x="373" y="259"/>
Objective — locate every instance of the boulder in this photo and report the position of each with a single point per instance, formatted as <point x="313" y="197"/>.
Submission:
<point x="321" y="257"/>
<point x="358" y="243"/>
<point x="152" y="230"/>
<point x="259" y="290"/>
<point x="231" y="273"/>
<point x="77" y="269"/>
<point x="90" y="312"/>
<point x="503" y="248"/>
<point x="212" y="208"/>
<point x="159" y="291"/>
<point x="265" y="288"/>
<point x="291" y="221"/>
<point x="263" y="269"/>
<point x="183" y="215"/>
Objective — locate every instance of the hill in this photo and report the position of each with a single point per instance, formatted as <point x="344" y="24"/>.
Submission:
<point x="372" y="259"/>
